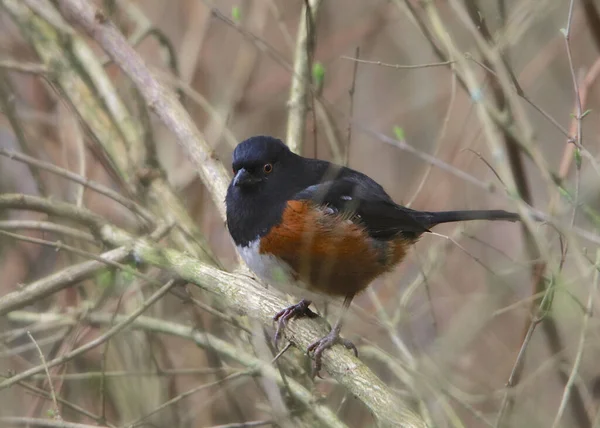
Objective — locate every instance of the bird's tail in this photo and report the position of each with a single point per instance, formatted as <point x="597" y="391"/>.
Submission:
<point x="434" y="218"/>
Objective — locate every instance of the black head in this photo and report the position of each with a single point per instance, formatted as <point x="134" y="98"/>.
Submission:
<point x="266" y="174"/>
<point x="258" y="160"/>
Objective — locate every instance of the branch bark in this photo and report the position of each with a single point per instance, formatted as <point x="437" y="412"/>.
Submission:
<point x="247" y="297"/>
<point x="204" y="340"/>
<point x="161" y="99"/>
<point x="78" y="73"/>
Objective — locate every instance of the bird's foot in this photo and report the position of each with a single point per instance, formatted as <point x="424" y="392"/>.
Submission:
<point x="294" y="311"/>
<point x="326" y="342"/>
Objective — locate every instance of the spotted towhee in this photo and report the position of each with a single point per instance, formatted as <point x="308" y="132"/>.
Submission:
<point x="324" y="229"/>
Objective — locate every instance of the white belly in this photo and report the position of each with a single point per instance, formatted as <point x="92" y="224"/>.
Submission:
<point x="276" y="272"/>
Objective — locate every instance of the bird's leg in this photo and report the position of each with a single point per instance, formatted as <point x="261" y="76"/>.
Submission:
<point x="282" y="317"/>
<point x="332" y="338"/>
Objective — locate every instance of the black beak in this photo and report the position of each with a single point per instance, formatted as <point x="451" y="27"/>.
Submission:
<point x="243" y="178"/>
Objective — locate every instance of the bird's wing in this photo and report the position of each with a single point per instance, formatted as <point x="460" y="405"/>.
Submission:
<point x="365" y="202"/>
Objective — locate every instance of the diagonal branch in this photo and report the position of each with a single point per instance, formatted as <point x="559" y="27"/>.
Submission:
<point x="77" y="74"/>
<point x="58" y="281"/>
<point x="204" y="340"/>
<point x="159" y="98"/>
<point x="124" y="322"/>
<point x="246" y="297"/>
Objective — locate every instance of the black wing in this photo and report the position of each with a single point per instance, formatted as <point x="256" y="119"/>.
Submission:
<point x="366" y="203"/>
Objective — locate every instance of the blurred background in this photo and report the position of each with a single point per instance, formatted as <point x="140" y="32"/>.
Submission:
<point x="443" y="331"/>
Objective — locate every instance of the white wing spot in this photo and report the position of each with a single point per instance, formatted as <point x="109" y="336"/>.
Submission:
<point x="328" y="210"/>
<point x="346" y="198"/>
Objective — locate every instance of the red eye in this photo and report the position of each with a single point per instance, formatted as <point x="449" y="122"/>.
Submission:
<point x="268" y="168"/>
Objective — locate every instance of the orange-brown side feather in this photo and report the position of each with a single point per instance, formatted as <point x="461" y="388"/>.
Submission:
<point x="328" y="252"/>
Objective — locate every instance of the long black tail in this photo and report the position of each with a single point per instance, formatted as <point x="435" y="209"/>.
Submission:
<point x="434" y="218"/>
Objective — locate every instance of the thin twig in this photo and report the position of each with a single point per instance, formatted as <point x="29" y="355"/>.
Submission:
<point x="403" y="145"/>
<point x="66" y="404"/>
<point x="26" y="347"/>
<point x="117" y="137"/>
<point x="265" y="47"/>
<point x="186" y="297"/>
<point x="439" y="139"/>
<point x="58" y="281"/>
<point x="17" y="420"/>
<point x="8" y="109"/>
<point x="58" y="245"/>
<point x="23" y="67"/>
<point x="206" y="340"/>
<point x="56" y="414"/>
<point x="100" y="188"/>
<point x="584" y="90"/>
<point x="46" y="226"/>
<point x="159" y="98"/>
<point x="578" y="139"/>
<point x="398" y="66"/>
<point x="86" y="376"/>
<point x="582" y="339"/>
<point x="520" y="360"/>
<point x="280" y="353"/>
<point x="124" y="322"/>
<point x="186" y="394"/>
<point x="351" y="109"/>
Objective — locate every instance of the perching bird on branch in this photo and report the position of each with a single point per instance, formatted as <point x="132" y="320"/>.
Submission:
<point x="317" y="229"/>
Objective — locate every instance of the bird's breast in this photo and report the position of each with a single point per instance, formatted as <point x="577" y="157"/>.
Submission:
<point x="320" y="251"/>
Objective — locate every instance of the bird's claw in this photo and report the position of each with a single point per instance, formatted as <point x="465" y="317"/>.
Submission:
<point x="326" y="342"/>
<point x="294" y="311"/>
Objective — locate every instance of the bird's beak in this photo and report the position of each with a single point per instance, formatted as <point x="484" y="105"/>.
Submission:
<point x="244" y="178"/>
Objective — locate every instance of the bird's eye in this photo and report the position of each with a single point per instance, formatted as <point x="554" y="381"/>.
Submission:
<point x="268" y="168"/>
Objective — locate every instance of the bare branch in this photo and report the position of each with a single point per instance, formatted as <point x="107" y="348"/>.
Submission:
<point x="206" y="340"/>
<point x="124" y="322"/>
<point x="100" y="188"/>
<point x="158" y="97"/>
<point x="46" y="226"/>
<point x="50" y="384"/>
<point x="57" y="281"/>
<point x="246" y="297"/>
<point x="49" y="423"/>
<point x="23" y="67"/>
<point x="298" y="103"/>
<point x="581" y="346"/>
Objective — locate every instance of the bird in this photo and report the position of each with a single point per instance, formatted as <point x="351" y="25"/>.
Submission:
<point x="318" y="230"/>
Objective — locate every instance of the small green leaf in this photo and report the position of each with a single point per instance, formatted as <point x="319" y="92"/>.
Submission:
<point x="546" y="305"/>
<point x="585" y="113"/>
<point x="318" y="73"/>
<point x="564" y="192"/>
<point x="105" y="278"/>
<point x="577" y="158"/>
<point x="236" y="14"/>
<point x="399" y="133"/>
<point x="564" y="31"/>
